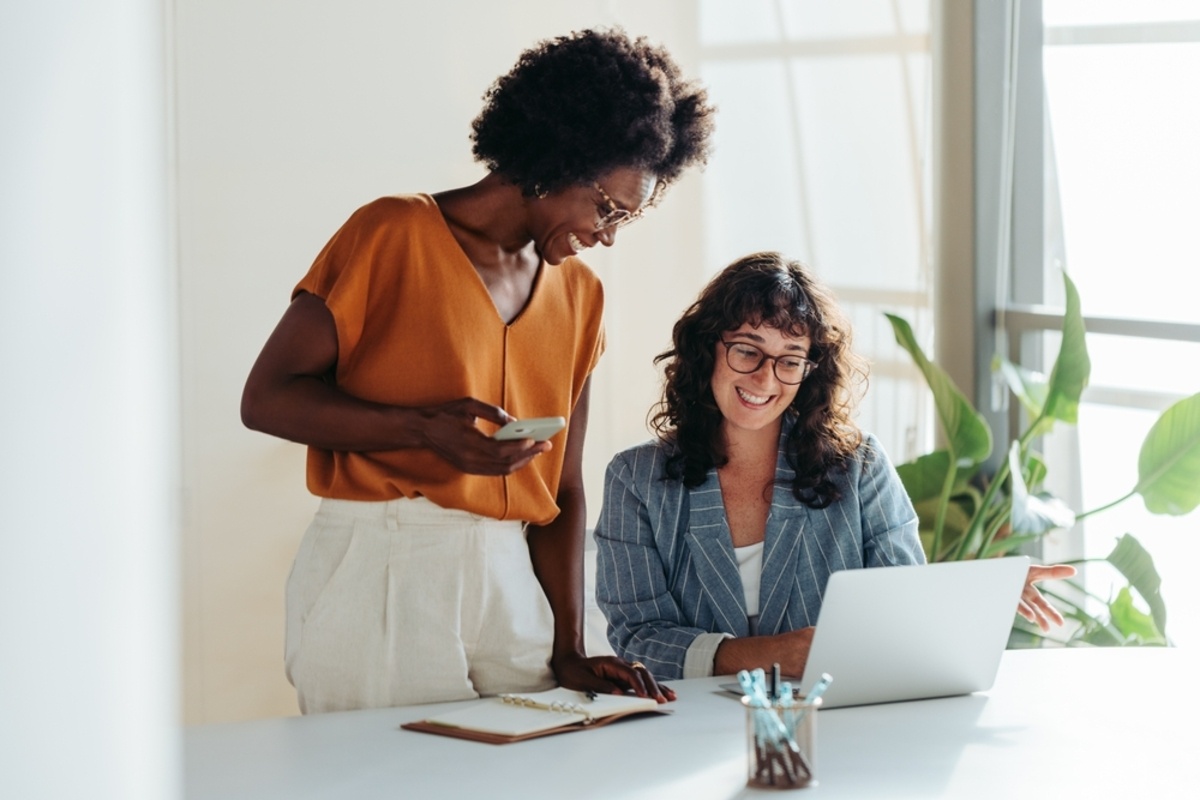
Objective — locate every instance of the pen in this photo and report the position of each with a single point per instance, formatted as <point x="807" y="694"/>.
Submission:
<point x="819" y="687"/>
<point x="591" y="694"/>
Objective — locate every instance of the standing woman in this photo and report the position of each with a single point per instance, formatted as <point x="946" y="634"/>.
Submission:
<point x="443" y="564"/>
<point x="717" y="538"/>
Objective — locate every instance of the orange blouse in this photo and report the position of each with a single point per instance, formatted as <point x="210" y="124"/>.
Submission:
<point x="416" y="326"/>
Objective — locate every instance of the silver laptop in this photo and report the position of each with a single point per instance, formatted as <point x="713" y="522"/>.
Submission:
<point x="903" y="633"/>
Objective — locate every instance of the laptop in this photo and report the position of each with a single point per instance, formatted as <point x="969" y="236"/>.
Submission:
<point x="912" y="632"/>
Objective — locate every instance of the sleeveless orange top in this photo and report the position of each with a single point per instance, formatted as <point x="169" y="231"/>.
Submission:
<point x="416" y="326"/>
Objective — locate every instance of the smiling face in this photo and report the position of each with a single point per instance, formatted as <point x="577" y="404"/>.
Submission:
<point x="755" y="402"/>
<point x="565" y="222"/>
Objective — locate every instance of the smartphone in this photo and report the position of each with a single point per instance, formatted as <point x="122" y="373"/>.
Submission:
<point x="537" y="428"/>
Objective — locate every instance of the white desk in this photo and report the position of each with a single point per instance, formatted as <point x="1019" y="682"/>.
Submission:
<point x="1052" y="727"/>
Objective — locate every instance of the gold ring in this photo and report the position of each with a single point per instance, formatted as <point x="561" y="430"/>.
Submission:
<point x="638" y="665"/>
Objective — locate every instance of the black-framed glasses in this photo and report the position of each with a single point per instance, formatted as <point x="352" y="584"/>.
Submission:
<point x="746" y="359"/>
<point x="614" y="216"/>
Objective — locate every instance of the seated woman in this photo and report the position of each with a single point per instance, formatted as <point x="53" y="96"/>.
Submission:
<point x="715" y="541"/>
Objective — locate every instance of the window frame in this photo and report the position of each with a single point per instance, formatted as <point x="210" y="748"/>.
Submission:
<point x="999" y="78"/>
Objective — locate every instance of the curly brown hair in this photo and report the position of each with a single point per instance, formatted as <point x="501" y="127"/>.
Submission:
<point x="764" y="289"/>
<point x="576" y="107"/>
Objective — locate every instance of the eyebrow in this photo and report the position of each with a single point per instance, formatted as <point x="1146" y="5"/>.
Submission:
<point x="754" y="337"/>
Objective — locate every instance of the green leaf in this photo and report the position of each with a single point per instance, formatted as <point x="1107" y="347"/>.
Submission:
<point x="967" y="433"/>
<point x="1091" y="630"/>
<point x="1033" y="469"/>
<point x="1134" y="562"/>
<point x="1136" y="626"/>
<point x="1072" y="368"/>
<point x="924" y="477"/>
<point x="1034" y="514"/>
<point x="1098" y="634"/>
<point x="1001" y="547"/>
<point x="1169" y="463"/>
<point x="1030" y="387"/>
<point x="958" y="519"/>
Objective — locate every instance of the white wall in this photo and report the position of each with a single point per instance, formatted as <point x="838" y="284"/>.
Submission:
<point x="89" y="468"/>
<point x="289" y="117"/>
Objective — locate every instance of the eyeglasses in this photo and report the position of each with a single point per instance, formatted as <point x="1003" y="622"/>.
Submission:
<point x="614" y="216"/>
<point x="747" y="359"/>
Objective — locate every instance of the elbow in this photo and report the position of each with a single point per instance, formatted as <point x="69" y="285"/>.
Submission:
<point x="251" y="410"/>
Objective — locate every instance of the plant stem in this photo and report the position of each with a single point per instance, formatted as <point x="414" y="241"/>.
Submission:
<point x="1091" y="560"/>
<point x="1031" y="432"/>
<point x="943" y="506"/>
<point x="1081" y="615"/>
<point x="993" y="529"/>
<point x="981" y="513"/>
<point x="1118" y="501"/>
<point x="1077" y="587"/>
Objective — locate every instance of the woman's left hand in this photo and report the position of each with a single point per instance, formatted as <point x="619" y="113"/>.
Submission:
<point x="1033" y="606"/>
<point x="609" y="675"/>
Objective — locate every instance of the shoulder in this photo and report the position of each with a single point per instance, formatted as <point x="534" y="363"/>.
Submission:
<point x="373" y="240"/>
<point x="580" y="278"/>
<point x="641" y="462"/>
<point x="871" y="454"/>
<point x="871" y="470"/>
<point x="390" y="230"/>
<point x="651" y="450"/>
<point x="394" y="210"/>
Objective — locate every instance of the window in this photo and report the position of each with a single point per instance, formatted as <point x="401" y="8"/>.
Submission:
<point x="823" y="143"/>
<point x="1122" y="179"/>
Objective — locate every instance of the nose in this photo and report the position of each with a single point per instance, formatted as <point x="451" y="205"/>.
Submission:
<point x="765" y="372"/>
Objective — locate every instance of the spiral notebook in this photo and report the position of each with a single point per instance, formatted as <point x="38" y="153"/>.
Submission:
<point x="514" y="718"/>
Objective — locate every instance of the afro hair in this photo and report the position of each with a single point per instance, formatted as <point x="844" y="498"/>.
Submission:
<point x="576" y="107"/>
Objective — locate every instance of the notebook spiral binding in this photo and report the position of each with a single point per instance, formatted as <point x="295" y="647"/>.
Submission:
<point x="557" y="705"/>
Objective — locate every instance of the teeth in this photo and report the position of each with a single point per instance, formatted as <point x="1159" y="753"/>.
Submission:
<point x="751" y="398"/>
<point x="576" y="245"/>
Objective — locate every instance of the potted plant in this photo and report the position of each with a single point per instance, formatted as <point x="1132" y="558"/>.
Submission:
<point x="965" y="513"/>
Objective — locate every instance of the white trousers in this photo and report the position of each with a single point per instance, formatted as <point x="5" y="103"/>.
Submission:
<point x="400" y="602"/>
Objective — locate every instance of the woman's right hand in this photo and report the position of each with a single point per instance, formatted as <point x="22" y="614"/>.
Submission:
<point x="450" y="431"/>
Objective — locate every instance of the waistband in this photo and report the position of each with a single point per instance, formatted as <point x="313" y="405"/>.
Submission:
<point x="407" y="509"/>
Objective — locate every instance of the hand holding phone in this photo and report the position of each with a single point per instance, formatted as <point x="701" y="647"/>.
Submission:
<point x="537" y="428"/>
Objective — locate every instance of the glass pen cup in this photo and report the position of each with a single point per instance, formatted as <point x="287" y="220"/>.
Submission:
<point x="781" y="743"/>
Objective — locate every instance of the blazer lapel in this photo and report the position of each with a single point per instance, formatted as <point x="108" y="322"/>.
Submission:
<point x="709" y="540"/>
<point x="785" y="524"/>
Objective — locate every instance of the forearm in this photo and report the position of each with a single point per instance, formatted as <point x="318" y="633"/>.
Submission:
<point x="556" y="550"/>
<point x="310" y="411"/>
<point x="289" y="392"/>
<point x="789" y="650"/>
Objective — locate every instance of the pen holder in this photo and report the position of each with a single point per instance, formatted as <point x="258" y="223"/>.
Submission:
<point x="781" y="742"/>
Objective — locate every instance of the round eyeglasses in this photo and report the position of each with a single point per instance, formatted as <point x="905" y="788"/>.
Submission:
<point x="614" y="216"/>
<point x="747" y="359"/>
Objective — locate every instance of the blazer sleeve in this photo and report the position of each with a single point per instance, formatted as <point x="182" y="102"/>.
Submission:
<point x="890" y="527"/>
<point x="645" y="622"/>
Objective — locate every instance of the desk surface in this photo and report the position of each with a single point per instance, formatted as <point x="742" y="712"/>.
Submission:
<point x="1054" y="725"/>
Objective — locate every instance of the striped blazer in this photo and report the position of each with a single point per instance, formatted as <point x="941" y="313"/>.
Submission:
<point x="667" y="579"/>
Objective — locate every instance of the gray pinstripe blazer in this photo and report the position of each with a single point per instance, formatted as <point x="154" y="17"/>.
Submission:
<point x="666" y="571"/>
